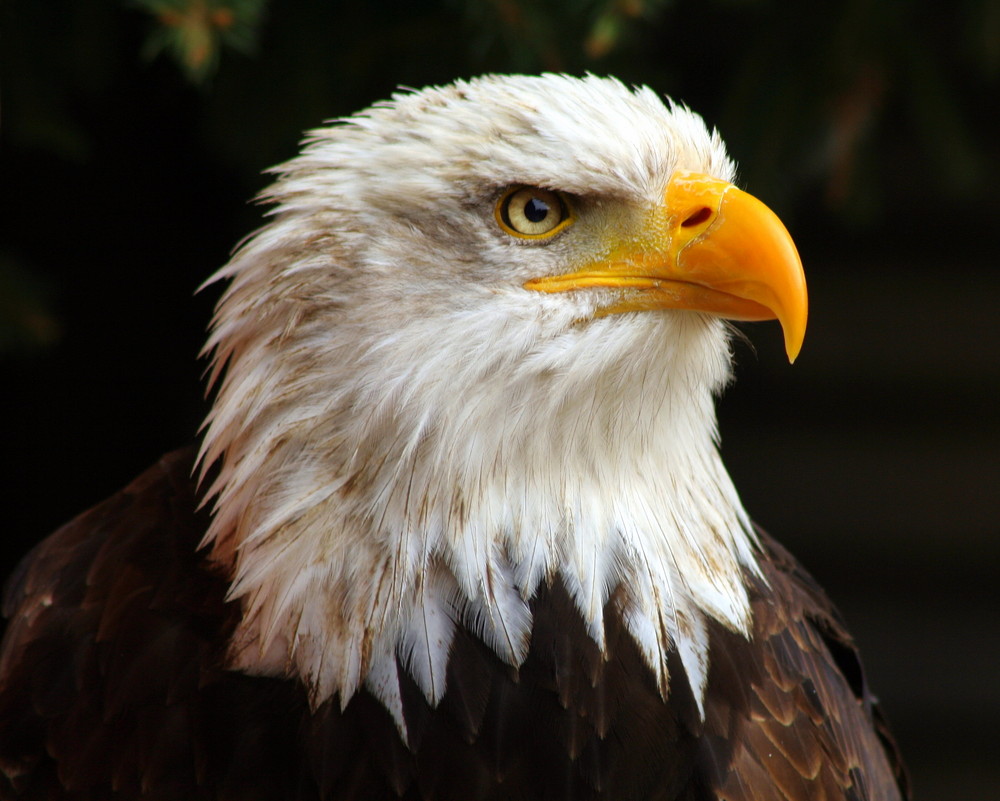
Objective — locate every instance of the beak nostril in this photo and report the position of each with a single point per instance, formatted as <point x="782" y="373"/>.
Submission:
<point x="697" y="217"/>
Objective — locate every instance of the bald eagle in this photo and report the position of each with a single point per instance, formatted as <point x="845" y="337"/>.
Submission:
<point x="458" y="527"/>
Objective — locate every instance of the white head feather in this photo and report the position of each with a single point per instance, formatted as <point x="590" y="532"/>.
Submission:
<point x="409" y="440"/>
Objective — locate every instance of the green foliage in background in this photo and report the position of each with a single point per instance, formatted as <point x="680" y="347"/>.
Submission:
<point x="193" y="32"/>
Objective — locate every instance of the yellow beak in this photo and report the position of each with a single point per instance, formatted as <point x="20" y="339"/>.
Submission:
<point x="710" y="248"/>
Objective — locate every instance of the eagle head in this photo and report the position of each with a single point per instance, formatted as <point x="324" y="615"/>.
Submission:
<point x="475" y="350"/>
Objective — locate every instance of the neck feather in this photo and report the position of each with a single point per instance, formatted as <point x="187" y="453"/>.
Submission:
<point x="361" y="530"/>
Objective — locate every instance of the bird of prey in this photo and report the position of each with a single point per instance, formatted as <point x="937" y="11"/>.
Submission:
<point x="458" y="527"/>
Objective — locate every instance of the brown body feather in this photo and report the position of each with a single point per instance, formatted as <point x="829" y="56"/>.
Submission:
<point x="113" y="685"/>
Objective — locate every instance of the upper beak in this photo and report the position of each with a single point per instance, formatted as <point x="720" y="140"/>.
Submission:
<point x="709" y="247"/>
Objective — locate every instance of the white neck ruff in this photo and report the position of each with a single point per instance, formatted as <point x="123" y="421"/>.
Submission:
<point x="362" y="528"/>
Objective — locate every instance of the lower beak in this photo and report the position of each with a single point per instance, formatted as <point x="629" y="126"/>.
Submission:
<point x="709" y="247"/>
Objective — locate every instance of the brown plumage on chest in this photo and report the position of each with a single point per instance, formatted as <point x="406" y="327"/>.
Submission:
<point x="112" y="686"/>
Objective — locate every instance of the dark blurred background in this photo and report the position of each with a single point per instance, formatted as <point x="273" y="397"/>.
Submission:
<point x="134" y="133"/>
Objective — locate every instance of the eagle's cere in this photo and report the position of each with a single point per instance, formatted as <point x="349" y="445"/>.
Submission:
<point x="464" y="384"/>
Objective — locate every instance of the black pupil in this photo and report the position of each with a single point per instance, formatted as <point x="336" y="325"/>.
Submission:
<point x="536" y="210"/>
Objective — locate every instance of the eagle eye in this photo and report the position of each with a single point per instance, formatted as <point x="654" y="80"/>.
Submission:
<point x="532" y="213"/>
